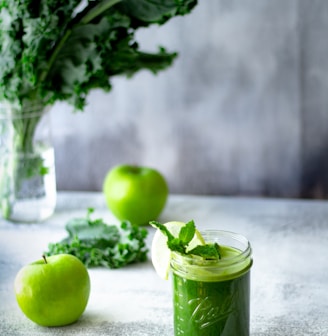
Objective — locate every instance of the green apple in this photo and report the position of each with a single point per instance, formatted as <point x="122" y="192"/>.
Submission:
<point x="53" y="291"/>
<point x="134" y="193"/>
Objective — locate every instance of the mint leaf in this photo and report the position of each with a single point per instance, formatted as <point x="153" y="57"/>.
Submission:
<point x="163" y="228"/>
<point x="176" y="245"/>
<point x="208" y="251"/>
<point x="173" y="243"/>
<point x="187" y="233"/>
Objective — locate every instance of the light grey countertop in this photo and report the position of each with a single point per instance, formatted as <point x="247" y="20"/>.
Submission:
<point x="289" y="277"/>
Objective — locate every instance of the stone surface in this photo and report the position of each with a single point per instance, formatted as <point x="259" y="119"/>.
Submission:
<point x="289" y="278"/>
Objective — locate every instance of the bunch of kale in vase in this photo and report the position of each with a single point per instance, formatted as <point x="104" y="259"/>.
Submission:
<point x="59" y="50"/>
<point x="50" y="51"/>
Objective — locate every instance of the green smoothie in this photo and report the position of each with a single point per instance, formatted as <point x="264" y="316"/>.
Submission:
<point x="212" y="298"/>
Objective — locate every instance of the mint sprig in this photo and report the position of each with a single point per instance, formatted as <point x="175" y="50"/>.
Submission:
<point x="179" y="244"/>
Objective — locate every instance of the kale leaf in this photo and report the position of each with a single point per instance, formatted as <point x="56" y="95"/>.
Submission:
<point x="96" y="243"/>
<point x="59" y="50"/>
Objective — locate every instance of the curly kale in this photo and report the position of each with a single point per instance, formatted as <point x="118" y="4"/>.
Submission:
<point x="98" y="244"/>
<point x="61" y="49"/>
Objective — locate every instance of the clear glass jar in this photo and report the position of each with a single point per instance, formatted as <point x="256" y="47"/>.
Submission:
<point x="27" y="167"/>
<point x="212" y="297"/>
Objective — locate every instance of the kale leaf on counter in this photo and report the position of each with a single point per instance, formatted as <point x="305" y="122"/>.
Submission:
<point x="96" y="243"/>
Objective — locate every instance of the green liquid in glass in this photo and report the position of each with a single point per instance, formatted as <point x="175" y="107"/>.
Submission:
<point x="212" y="302"/>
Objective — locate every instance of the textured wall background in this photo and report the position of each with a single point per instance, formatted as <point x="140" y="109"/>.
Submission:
<point x="242" y="111"/>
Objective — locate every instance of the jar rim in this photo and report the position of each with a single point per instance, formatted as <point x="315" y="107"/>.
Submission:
<point x="228" y="267"/>
<point x="14" y="112"/>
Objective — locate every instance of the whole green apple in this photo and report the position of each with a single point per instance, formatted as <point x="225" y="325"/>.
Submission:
<point x="53" y="291"/>
<point x="134" y="193"/>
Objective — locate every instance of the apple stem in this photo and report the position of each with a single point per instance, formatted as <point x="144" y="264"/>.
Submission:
<point x="44" y="258"/>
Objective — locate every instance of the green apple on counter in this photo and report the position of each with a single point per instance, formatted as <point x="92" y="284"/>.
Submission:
<point x="134" y="193"/>
<point x="53" y="291"/>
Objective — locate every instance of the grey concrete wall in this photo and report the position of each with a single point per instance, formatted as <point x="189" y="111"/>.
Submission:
<point x="242" y="111"/>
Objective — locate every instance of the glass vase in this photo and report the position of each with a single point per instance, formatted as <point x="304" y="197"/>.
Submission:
<point x="27" y="170"/>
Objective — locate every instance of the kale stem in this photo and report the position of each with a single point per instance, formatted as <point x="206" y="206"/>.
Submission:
<point x="25" y="123"/>
<point x="97" y="10"/>
<point x="53" y="57"/>
<point x="29" y="130"/>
